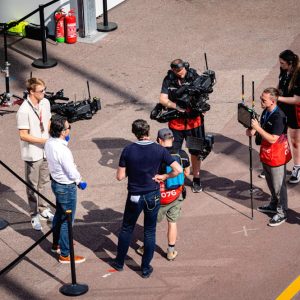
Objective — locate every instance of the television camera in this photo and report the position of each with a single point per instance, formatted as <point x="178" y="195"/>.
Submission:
<point x="73" y="110"/>
<point x="190" y="97"/>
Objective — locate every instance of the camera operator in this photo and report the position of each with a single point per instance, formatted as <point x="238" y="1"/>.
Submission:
<point x="274" y="153"/>
<point x="179" y="75"/>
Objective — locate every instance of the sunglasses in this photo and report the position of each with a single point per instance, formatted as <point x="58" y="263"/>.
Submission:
<point x="41" y="91"/>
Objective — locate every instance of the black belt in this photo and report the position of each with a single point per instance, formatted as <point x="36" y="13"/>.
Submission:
<point x="51" y="178"/>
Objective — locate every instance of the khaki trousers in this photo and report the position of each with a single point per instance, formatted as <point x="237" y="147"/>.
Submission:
<point x="37" y="175"/>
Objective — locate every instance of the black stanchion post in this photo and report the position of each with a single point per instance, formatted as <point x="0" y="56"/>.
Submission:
<point x="44" y="62"/>
<point x="106" y="26"/>
<point x="74" y="288"/>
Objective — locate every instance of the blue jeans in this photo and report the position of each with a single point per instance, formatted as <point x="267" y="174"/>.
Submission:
<point x="66" y="198"/>
<point x="149" y="203"/>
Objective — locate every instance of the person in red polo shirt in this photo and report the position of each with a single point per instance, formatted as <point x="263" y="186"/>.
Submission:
<point x="274" y="154"/>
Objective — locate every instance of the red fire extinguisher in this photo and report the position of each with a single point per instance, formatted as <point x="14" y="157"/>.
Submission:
<point x="70" y="23"/>
<point x="60" y="26"/>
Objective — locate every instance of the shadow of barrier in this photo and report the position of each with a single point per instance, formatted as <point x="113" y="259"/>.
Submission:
<point x="70" y="289"/>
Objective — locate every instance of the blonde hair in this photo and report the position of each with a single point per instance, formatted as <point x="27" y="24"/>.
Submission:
<point x="32" y="83"/>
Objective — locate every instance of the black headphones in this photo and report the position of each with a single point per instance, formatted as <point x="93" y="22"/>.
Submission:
<point x="182" y="64"/>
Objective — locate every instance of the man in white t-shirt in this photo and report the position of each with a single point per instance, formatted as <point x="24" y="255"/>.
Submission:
<point x="33" y="120"/>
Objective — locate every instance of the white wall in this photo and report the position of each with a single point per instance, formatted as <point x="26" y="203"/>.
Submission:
<point x="110" y="4"/>
<point x="16" y="9"/>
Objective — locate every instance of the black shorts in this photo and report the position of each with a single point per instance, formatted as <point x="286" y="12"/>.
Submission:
<point x="181" y="135"/>
<point x="290" y="112"/>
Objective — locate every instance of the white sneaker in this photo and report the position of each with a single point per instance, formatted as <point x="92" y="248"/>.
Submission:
<point x="295" y="177"/>
<point x="36" y="224"/>
<point x="47" y="214"/>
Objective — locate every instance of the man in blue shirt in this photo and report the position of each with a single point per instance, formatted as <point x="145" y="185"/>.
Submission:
<point x="140" y="162"/>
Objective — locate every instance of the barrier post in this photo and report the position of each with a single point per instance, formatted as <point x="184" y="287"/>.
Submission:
<point x="106" y="26"/>
<point x="74" y="288"/>
<point x="44" y="62"/>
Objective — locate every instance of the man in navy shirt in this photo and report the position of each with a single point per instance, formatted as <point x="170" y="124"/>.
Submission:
<point x="140" y="162"/>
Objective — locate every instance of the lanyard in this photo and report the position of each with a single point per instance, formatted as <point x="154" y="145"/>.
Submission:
<point x="39" y="116"/>
<point x="267" y="116"/>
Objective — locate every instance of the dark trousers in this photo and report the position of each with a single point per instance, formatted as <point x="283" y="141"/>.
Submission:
<point x="149" y="203"/>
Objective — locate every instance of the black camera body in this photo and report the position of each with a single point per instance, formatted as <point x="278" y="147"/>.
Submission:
<point x="195" y="94"/>
<point x="246" y="115"/>
<point x="73" y="111"/>
<point x="191" y="96"/>
<point x="204" y="146"/>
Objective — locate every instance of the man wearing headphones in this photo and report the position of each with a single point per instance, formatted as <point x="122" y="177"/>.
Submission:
<point x="179" y="75"/>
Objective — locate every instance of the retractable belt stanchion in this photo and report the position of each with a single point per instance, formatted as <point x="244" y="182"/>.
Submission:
<point x="106" y="26"/>
<point x="74" y="288"/>
<point x="44" y="62"/>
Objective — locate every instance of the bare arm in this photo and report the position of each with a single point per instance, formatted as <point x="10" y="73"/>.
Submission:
<point x="187" y="171"/>
<point x="166" y="102"/>
<point x="26" y="137"/>
<point x="176" y="169"/>
<point x="121" y="173"/>
<point x="271" y="138"/>
<point x="290" y="100"/>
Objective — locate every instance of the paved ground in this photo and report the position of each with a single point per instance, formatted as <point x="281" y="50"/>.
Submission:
<point x="223" y="254"/>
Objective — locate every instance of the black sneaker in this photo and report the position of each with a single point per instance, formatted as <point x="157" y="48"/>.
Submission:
<point x="262" y="175"/>
<point x="267" y="209"/>
<point x="277" y="220"/>
<point x="196" y="187"/>
<point x="147" y="273"/>
<point x="295" y="177"/>
<point x="116" y="266"/>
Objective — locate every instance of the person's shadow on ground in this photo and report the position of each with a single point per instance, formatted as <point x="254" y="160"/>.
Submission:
<point x="14" y="210"/>
<point x="110" y="149"/>
<point x="97" y="228"/>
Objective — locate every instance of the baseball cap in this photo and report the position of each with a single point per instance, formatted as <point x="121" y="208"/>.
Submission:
<point x="165" y="134"/>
